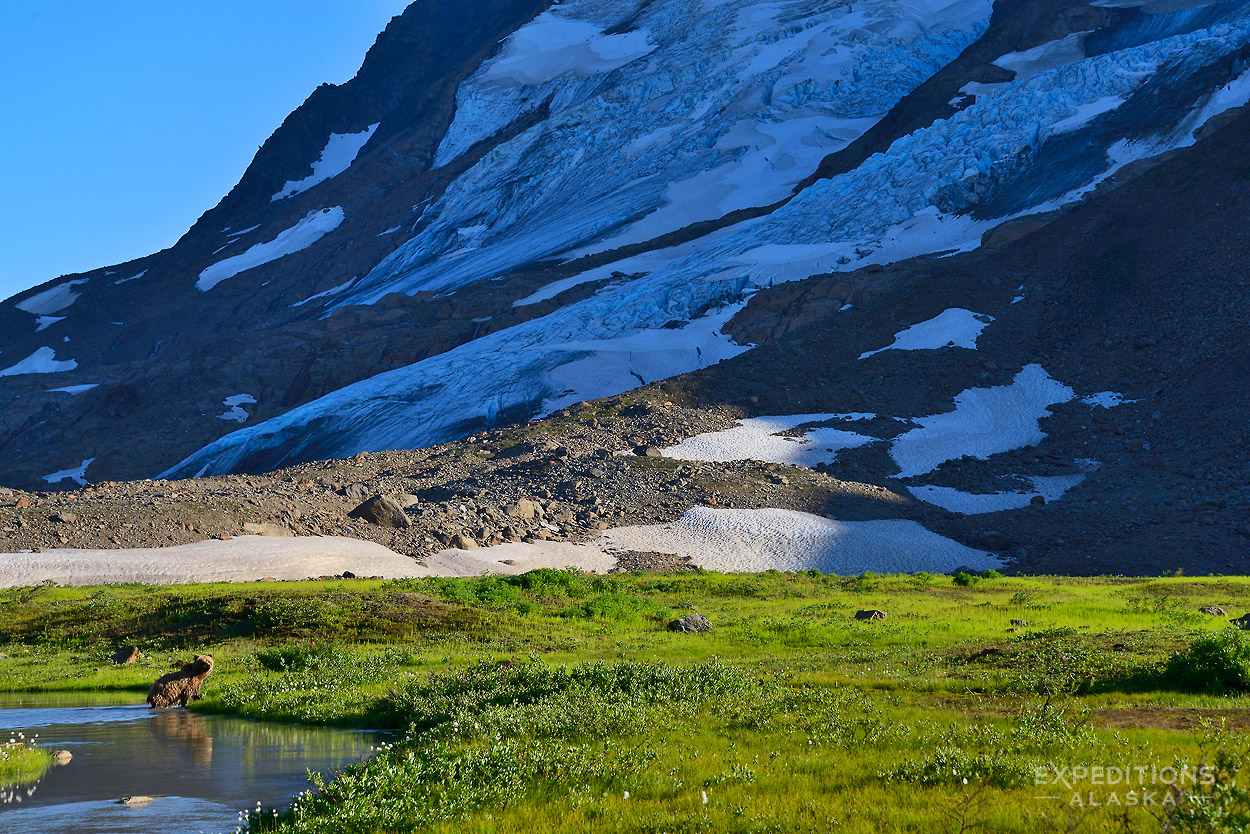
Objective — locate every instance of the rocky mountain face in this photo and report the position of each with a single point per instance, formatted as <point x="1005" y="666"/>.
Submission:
<point x="986" y="258"/>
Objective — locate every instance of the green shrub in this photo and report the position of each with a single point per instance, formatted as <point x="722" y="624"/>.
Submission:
<point x="1218" y="663"/>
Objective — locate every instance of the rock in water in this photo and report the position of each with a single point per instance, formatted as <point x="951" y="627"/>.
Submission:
<point x="127" y="655"/>
<point x="870" y="614"/>
<point x="690" y="624"/>
<point x="383" y="512"/>
<point x="182" y="686"/>
<point x="62" y="757"/>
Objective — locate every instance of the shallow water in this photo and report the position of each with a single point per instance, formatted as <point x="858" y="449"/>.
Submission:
<point x="201" y="770"/>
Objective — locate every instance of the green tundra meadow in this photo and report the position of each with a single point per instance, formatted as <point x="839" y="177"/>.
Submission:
<point x="559" y="701"/>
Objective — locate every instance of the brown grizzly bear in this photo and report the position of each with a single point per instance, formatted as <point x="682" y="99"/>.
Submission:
<point x="181" y="686"/>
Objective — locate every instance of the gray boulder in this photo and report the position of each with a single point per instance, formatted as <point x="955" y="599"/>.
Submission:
<point x="870" y="614"/>
<point x="690" y="624"/>
<point x="383" y="512"/>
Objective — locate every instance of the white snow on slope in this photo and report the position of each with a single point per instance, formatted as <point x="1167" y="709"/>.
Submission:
<point x="985" y="421"/>
<point x="552" y="46"/>
<point x="336" y="157"/>
<point x="757" y="439"/>
<point x="42" y="361"/>
<point x="757" y="540"/>
<point x="134" y="277"/>
<point x="955" y="327"/>
<point x="42" y="323"/>
<point x="314" y="226"/>
<point x="1048" y="487"/>
<point x="1085" y="113"/>
<point x="568" y="182"/>
<point x="51" y="300"/>
<point x="1105" y="399"/>
<point x="78" y="474"/>
<point x="327" y="293"/>
<point x="236" y="414"/>
<point x="241" y="559"/>
<point x="74" y="390"/>
<point x="1047" y="56"/>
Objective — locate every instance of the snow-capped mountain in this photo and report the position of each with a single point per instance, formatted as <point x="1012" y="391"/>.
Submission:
<point x="517" y="206"/>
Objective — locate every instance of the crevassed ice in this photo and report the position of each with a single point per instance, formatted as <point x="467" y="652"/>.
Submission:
<point x="882" y="209"/>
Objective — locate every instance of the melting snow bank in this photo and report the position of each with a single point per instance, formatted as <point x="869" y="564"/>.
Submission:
<point x="314" y="226"/>
<point x="336" y="157"/>
<point x="78" y="474"/>
<point x="758" y="540"/>
<point x="985" y="421"/>
<point x="757" y="439"/>
<point x="42" y="361"/>
<point x="243" y="559"/>
<point x="51" y="301"/>
<point x="237" y="414"/>
<point x="1047" y="487"/>
<point x="955" y="327"/>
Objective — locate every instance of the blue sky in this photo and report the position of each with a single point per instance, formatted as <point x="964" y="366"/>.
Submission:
<point x="121" y="122"/>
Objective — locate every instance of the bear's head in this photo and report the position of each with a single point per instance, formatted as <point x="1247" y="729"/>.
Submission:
<point x="202" y="664"/>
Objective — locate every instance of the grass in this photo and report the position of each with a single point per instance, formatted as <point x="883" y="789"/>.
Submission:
<point x="22" y="762"/>
<point x="556" y="701"/>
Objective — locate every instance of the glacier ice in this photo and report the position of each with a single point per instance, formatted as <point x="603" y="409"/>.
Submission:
<point x="617" y="146"/>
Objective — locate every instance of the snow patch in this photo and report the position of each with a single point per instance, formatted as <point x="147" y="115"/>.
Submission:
<point x="51" y="300"/>
<point x="42" y="361"/>
<point x="757" y="439"/>
<point x="236" y="414"/>
<point x="1048" y="487"/>
<point x="42" y="323"/>
<point x="74" y="390"/>
<point x="758" y="540"/>
<point x="314" y="226"/>
<point x="551" y="46"/>
<point x="1105" y="399"/>
<point x="78" y="474"/>
<point x="986" y="421"/>
<point x="326" y="293"/>
<point x="135" y="277"/>
<point x="336" y="157"/>
<point x="955" y="327"/>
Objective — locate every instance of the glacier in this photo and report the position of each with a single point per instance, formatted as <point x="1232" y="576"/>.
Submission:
<point x="594" y="172"/>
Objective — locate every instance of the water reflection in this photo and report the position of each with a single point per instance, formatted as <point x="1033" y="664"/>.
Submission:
<point x="200" y="769"/>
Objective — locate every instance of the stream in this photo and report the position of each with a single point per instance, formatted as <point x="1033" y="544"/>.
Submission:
<point x="199" y="770"/>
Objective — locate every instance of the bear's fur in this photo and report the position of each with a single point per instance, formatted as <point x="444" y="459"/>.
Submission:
<point x="181" y="686"/>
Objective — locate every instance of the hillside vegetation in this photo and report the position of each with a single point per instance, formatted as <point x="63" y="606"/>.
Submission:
<point x="555" y="701"/>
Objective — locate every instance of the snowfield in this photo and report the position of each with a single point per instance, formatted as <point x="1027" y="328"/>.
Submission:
<point x="52" y="300"/>
<point x="950" y="328"/>
<point x="314" y="226"/>
<point x="758" y="540"/>
<point x="42" y="361"/>
<point x="757" y="439"/>
<point x="985" y="422"/>
<point x="336" y="157"/>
